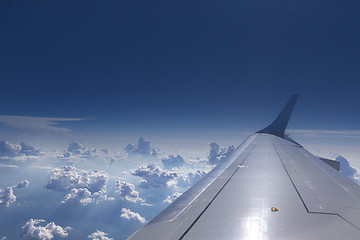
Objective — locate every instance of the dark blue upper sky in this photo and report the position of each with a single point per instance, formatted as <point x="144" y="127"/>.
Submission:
<point x="181" y="63"/>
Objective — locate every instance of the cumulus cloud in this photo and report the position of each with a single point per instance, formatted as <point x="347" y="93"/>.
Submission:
<point x="348" y="170"/>
<point x="99" y="235"/>
<point x="14" y="150"/>
<point x="37" y="124"/>
<point x="190" y="178"/>
<point x="33" y="230"/>
<point x="173" y="161"/>
<point x="142" y="147"/>
<point x="171" y="198"/>
<point x="85" y="186"/>
<point x="128" y="214"/>
<point x="126" y="191"/>
<point x="7" y="196"/>
<point x="76" y="150"/>
<point x="22" y="184"/>
<point x="153" y="176"/>
<point x="217" y="154"/>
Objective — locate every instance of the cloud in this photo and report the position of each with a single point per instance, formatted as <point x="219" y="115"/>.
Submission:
<point x="171" y="198"/>
<point x="15" y="152"/>
<point x="325" y="133"/>
<point x="153" y="176"/>
<point x="347" y="170"/>
<point x="217" y="154"/>
<point x="22" y="184"/>
<point x="142" y="147"/>
<point x="128" y="214"/>
<point x="126" y="191"/>
<point x="85" y="186"/>
<point x="7" y="196"/>
<point x="37" y="124"/>
<point x="33" y="230"/>
<point x="173" y="161"/>
<point x="99" y="235"/>
<point x="190" y="178"/>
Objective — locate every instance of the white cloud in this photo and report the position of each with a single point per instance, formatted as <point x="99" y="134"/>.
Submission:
<point x="99" y="235"/>
<point x="171" y="198"/>
<point x="85" y="186"/>
<point x="189" y="179"/>
<point x="17" y="153"/>
<point x="3" y="238"/>
<point x="128" y="214"/>
<point x="22" y="184"/>
<point x="126" y="191"/>
<point x="154" y="176"/>
<point x="348" y="170"/>
<point x="142" y="147"/>
<point x="37" y="124"/>
<point x="217" y="154"/>
<point x="7" y="196"/>
<point x="33" y="230"/>
<point x="173" y="161"/>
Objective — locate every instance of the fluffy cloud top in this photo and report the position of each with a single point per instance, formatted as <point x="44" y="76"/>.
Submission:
<point x="217" y="154"/>
<point x="189" y="179"/>
<point x="77" y="150"/>
<point x="128" y="214"/>
<point x="14" y="150"/>
<point x="33" y="230"/>
<point x="153" y="176"/>
<point x="22" y="184"/>
<point x="142" y="147"/>
<point x="86" y="186"/>
<point x="7" y="196"/>
<point x="173" y="161"/>
<point x="171" y="198"/>
<point x="348" y="170"/>
<point x="126" y="191"/>
<point x="99" y="235"/>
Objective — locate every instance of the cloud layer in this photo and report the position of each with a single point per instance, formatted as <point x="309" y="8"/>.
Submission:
<point x="37" y="124"/>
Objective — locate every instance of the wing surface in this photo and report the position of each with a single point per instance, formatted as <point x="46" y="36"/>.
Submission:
<point x="269" y="188"/>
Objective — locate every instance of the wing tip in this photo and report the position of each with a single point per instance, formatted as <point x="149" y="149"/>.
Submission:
<point x="278" y="126"/>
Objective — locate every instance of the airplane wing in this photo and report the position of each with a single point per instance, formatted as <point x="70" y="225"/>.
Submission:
<point x="269" y="188"/>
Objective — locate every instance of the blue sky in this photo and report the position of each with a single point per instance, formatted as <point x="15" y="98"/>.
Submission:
<point x="181" y="74"/>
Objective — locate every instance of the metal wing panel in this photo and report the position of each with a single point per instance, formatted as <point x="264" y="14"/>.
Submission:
<point x="243" y="209"/>
<point x="174" y="221"/>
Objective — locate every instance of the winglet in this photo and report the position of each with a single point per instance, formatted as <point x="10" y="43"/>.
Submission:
<point x="278" y="126"/>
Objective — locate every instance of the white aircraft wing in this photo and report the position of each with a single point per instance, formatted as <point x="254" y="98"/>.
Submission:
<point x="270" y="188"/>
